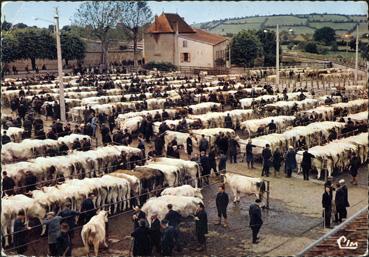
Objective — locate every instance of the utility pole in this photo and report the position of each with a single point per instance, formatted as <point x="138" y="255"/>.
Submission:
<point x="60" y="67"/>
<point x="229" y="54"/>
<point x="277" y="57"/>
<point x="357" y="53"/>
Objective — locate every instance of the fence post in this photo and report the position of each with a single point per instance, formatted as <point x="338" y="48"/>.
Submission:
<point x="268" y="194"/>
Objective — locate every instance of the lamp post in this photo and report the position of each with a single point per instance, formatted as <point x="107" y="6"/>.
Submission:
<point x="357" y="53"/>
<point x="60" y="65"/>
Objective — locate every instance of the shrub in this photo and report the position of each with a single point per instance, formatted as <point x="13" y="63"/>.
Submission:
<point x="311" y="47"/>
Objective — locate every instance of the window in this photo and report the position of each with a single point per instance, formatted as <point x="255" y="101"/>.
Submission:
<point x="184" y="43"/>
<point x="185" y="57"/>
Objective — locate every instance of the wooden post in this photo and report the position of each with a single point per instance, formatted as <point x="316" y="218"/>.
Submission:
<point x="268" y="193"/>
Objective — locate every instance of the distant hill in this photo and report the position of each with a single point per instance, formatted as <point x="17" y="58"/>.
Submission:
<point x="300" y="24"/>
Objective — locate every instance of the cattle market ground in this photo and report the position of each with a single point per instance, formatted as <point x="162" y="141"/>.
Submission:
<point x="292" y="222"/>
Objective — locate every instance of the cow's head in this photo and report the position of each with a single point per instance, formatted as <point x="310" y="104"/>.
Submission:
<point x="104" y="214"/>
<point x="261" y="185"/>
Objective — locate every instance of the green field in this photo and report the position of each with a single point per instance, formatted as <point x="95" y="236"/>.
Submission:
<point x="286" y="20"/>
<point x="306" y="23"/>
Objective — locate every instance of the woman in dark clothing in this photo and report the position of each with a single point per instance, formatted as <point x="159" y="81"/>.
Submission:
<point x="201" y="218"/>
<point x="20" y="233"/>
<point x="277" y="159"/>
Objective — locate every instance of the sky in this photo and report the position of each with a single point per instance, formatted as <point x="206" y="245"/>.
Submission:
<point x="193" y="12"/>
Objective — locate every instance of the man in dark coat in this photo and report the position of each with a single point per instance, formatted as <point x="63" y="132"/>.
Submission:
<point x="63" y="148"/>
<point x="30" y="181"/>
<point x="5" y="138"/>
<point x="138" y="215"/>
<point x="205" y="165"/>
<point x="272" y="127"/>
<point x="327" y="205"/>
<point x="87" y="209"/>
<point x="266" y="154"/>
<point x="341" y="201"/>
<point x="8" y="184"/>
<point x="201" y="219"/>
<point x="155" y="233"/>
<point x="174" y="218"/>
<point x="20" y="233"/>
<point x="233" y="148"/>
<point x="189" y="145"/>
<point x="64" y="242"/>
<point x="76" y="145"/>
<point x="142" y="241"/>
<point x="204" y="144"/>
<point x="306" y="163"/>
<point x="167" y="238"/>
<point x="277" y="159"/>
<point x="228" y="121"/>
<point x="159" y="145"/>
<point x="255" y="219"/>
<point x="69" y="217"/>
<point x="290" y="161"/>
<point x="354" y="167"/>
<point x="86" y="145"/>
<point x="222" y="201"/>
<point x="249" y="154"/>
<point x="106" y="139"/>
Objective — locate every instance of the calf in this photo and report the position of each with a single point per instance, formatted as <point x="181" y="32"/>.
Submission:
<point x="94" y="232"/>
<point x="185" y="190"/>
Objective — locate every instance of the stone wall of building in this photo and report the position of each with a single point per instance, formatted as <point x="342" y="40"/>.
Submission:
<point x="159" y="47"/>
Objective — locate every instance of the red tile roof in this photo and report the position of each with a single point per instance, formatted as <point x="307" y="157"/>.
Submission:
<point x="205" y="37"/>
<point x="167" y="23"/>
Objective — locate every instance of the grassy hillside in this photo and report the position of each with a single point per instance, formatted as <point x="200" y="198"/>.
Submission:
<point x="301" y="24"/>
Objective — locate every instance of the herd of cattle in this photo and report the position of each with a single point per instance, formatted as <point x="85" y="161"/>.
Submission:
<point x="158" y="181"/>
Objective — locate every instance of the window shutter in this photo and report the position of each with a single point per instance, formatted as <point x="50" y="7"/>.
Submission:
<point x="189" y="57"/>
<point x="182" y="57"/>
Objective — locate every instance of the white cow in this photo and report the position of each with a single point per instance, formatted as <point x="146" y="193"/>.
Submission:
<point x="247" y="185"/>
<point x="94" y="232"/>
<point x="185" y="190"/>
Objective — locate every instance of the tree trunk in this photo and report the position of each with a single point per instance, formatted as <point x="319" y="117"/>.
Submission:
<point x="135" y="48"/>
<point x="104" y="55"/>
<point x="33" y="63"/>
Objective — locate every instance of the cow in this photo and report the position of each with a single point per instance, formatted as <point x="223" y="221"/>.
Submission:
<point x="94" y="232"/>
<point x="247" y="185"/>
<point x="185" y="190"/>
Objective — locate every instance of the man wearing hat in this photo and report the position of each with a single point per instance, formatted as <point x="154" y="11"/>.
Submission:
<point x="341" y="201"/>
<point x="142" y="242"/>
<point x="167" y="238"/>
<point x="255" y="220"/>
<point x="266" y="154"/>
<point x="53" y="225"/>
<point x="249" y="154"/>
<point x="290" y="161"/>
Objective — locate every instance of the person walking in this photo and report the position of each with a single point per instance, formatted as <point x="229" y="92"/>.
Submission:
<point x="327" y="205"/>
<point x="249" y="154"/>
<point x="167" y="238"/>
<point x="277" y="160"/>
<point x="354" y="167"/>
<point x="290" y="161"/>
<point x="141" y="240"/>
<point x="306" y="163"/>
<point x="256" y="220"/>
<point x="64" y="242"/>
<point x="155" y="233"/>
<point x="222" y="201"/>
<point x="266" y="154"/>
<point x="201" y="220"/>
<point x="53" y="230"/>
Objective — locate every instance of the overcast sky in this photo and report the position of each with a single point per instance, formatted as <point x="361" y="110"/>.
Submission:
<point x="193" y="12"/>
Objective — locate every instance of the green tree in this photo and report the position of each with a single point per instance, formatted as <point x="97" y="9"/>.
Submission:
<point x="100" y="17"/>
<point x="245" y="47"/>
<point x="311" y="47"/>
<point x="73" y="48"/>
<point x="268" y="40"/>
<point x="35" y="43"/>
<point x="20" y="26"/>
<point x="133" y="17"/>
<point x="327" y="35"/>
<point x="9" y="48"/>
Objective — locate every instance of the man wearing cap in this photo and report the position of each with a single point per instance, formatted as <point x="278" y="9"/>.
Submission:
<point x="266" y="154"/>
<point x="201" y="219"/>
<point x="255" y="220"/>
<point x="249" y="154"/>
<point x="327" y="205"/>
<point x="167" y="238"/>
<point x="306" y="163"/>
<point x="142" y="242"/>
<point x="53" y="224"/>
<point x="341" y="201"/>
<point x="290" y="161"/>
<point x="155" y="233"/>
